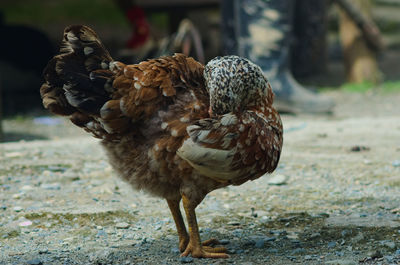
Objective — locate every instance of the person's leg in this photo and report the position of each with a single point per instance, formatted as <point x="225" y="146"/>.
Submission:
<point x="261" y="30"/>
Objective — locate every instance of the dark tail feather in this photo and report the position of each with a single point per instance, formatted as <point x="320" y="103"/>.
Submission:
<point x="78" y="79"/>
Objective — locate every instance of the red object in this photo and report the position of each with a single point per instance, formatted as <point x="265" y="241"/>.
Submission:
<point x="141" y="28"/>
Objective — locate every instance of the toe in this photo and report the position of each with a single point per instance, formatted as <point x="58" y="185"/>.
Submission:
<point x="215" y="250"/>
<point x="210" y="242"/>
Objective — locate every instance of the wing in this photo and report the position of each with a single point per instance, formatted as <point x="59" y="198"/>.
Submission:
<point x="234" y="148"/>
<point x="108" y="98"/>
<point x="147" y="94"/>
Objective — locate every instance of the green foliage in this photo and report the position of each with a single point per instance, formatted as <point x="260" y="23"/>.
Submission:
<point x="391" y="86"/>
<point x="47" y="12"/>
<point x="386" y="87"/>
<point x="357" y="87"/>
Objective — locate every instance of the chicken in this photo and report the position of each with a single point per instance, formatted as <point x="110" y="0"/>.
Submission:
<point x="170" y="126"/>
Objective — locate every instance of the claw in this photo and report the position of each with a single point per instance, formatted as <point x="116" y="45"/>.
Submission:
<point x="205" y="252"/>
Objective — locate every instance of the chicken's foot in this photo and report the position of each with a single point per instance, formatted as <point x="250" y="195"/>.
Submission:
<point x="195" y="247"/>
<point x="180" y="225"/>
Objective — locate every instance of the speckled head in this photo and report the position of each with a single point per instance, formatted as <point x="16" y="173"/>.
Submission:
<point x="234" y="84"/>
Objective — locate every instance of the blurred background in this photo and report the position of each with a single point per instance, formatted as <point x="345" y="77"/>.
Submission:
<point x="136" y="30"/>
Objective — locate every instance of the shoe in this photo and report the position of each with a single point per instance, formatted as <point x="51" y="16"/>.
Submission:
<point x="262" y="32"/>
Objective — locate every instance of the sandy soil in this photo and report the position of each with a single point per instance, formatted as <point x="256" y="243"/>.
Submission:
<point x="335" y="198"/>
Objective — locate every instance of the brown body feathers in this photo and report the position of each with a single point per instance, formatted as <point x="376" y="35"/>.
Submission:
<point x="155" y="122"/>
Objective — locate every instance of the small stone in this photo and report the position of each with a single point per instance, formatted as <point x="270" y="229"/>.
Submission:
<point x="43" y="251"/>
<point x="224" y="241"/>
<point x="332" y="244"/>
<point x="298" y="251"/>
<point x="278" y="180"/>
<point x="342" y="262"/>
<point x="272" y="250"/>
<point x="259" y="243"/>
<point x="358" y="237"/>
<point x="389" y="259"/>
<point x="17" y="195"/>
<point x="269" y="239"/>
<point x="122" y="225"/>
<point x="25" y="223"/>
<point x="307" y="257"/>
<point x="397" y="252"/>
<point x="359" y="148"/>
<point x="315" y="235"/>
<point x="101" y="232"/>
<point x="396" y="163"/>
<point x="34" y="262"/>
<point x="390" y="244"/>
<point x="175" y="250"/>
<point x="17" y="209"/>
<point x="186" y="259"/>
<point x="51" y="186"/>
<point x="375" y="254"/>
<point x="231" y="251"/>
<point x="26" y="188"/>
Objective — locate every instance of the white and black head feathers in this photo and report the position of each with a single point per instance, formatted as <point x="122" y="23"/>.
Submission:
<point x="234" y="84"/>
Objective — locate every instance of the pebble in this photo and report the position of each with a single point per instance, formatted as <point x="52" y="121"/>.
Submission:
<point x="375" y="254"/>
<point x="175" y="250"/>
<point x="237" y="232"/>
<point x="43" y="251"/>
<point x="122" y="225"/>
<point x="397" y="252"/>
<point x="315" y="235"/>
<point x="259" y="243"/>
<point x="332" y="244"/>
<point x="101" y="233"/>
<point x="359" y="148"/>
<point x="389" y="244"/>
<point x="389" y="259"/>
<point x="278" y="180"/>
<point x="238" y="251"/>
<point x="272" y="250"/>
<point x="342" y="262"/>
<point x="396" y="163"/>
<point x="26" y="188"/>
<point x="298" y="251"/>
<point x="17" y="209"/>
<point x="51" y="186"/>
<point x="224" y="241"/>
<point x="307" y="257"/>
<point x="34" y="262"/>
<point x="186" y="260"/>
<point x="25" y="223"/>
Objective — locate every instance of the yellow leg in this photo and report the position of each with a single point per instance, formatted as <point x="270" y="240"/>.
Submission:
<point x="180" y="225"/>
<point x="195" y="246"/>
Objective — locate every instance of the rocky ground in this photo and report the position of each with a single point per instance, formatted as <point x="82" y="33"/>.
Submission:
<point x="335" y="198"/>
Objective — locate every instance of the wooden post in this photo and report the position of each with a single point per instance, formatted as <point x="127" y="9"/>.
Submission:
<point x="359" y="59"/>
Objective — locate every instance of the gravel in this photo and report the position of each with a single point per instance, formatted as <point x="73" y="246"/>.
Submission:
<point x="61" y="203"/>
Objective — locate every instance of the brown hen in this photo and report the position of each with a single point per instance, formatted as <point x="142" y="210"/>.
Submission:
<point x="170" y="126"/>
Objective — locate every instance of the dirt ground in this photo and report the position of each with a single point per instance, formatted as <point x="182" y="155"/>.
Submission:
<point x="335" y="198"/>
